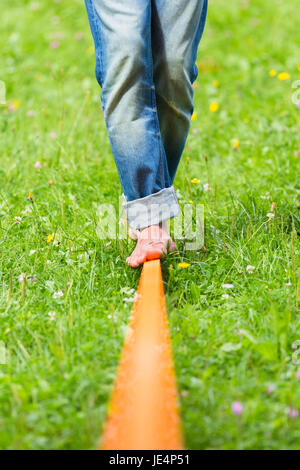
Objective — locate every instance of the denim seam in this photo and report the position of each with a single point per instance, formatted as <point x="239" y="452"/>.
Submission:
<point x="154" y="105"/>
<point x="198" y="35"/>
<point x="98" y="53"/>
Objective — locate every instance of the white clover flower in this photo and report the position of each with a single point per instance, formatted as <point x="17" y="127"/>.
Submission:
<point x="227" y="286"/>
<point x="131" y="299"/>
<point x="58" y="294"/>
<point x="206" y="187"/>
<point x="27" y="211"/>
<point x="17" y="220"/>
<point x="250" y="269"/>
<point x="52" y="315"/>
<point x="21" y="277"/>
<point x="31" y="252"/>
<point x="127" y="290"/>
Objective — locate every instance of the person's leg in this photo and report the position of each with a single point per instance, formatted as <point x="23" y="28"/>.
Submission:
<point x="122" y="34"/>
<point x="177" y="28"/>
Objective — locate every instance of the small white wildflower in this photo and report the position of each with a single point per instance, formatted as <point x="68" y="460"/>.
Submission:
<point x="225" y="296"/>
<point x="17" y="220"/>
<point x="227" y="286"/>
<point x="250" y="269"/>
<point x="132" y="299"/>
<point x="58" y="294"/>
<point x="270" y="215"/>
<point x="52" y="316"/>
<point x="289" y="284"/>
<point x="206" y="187"/>
<point x="127" y="290"/>
<point x="21" y="277"/>
<point x="293" y="413"/>
<point x="27" y="211"/>
<point x="34" y="5"/>
<point x="31" y="252"/>
<point x="266" y="196"/>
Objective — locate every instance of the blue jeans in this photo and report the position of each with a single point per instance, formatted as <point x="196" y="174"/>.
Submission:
<point x="145" y="64"/>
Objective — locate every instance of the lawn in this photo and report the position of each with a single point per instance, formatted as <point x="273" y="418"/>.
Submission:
<point x="64" y="292"/>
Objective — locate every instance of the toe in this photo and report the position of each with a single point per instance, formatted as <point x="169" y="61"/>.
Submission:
<point x="132" y="262"/>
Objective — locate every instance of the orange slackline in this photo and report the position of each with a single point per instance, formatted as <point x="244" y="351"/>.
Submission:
<point x="143" y="411"/>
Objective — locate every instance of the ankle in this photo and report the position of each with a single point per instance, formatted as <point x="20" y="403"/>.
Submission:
<point x="157" y="231"/>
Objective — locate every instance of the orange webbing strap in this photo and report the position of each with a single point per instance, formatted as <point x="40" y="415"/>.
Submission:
<point x="143" y="411"/>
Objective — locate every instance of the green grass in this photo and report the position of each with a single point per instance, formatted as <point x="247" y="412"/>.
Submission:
<point x="60" y="369"/>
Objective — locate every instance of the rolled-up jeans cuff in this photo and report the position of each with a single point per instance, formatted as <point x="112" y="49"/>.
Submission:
<point x="152" y="209"/>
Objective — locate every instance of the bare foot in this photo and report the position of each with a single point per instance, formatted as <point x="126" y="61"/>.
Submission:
<point x="152" y="243"/>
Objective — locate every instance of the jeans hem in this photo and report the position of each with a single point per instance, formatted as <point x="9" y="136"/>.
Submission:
<point x="152" y="209"/>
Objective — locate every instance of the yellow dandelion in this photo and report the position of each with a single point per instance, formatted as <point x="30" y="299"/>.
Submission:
<point x="29" y="196"/>
<point x="191" y="202"/>
<point x="283" y="76"/>
<point x="298" y="68"/>
<point x="183" y="265"/>
<point x="194" y="116"/>
<point x="50" y="237"/>
<point x="236" y="144"/>
<point x="272" y="73"/>
<point x="213" y="107"/>
<point x="216" y="83"/>
<point x="195" y="181"/>
<point x="16" y="104"/>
